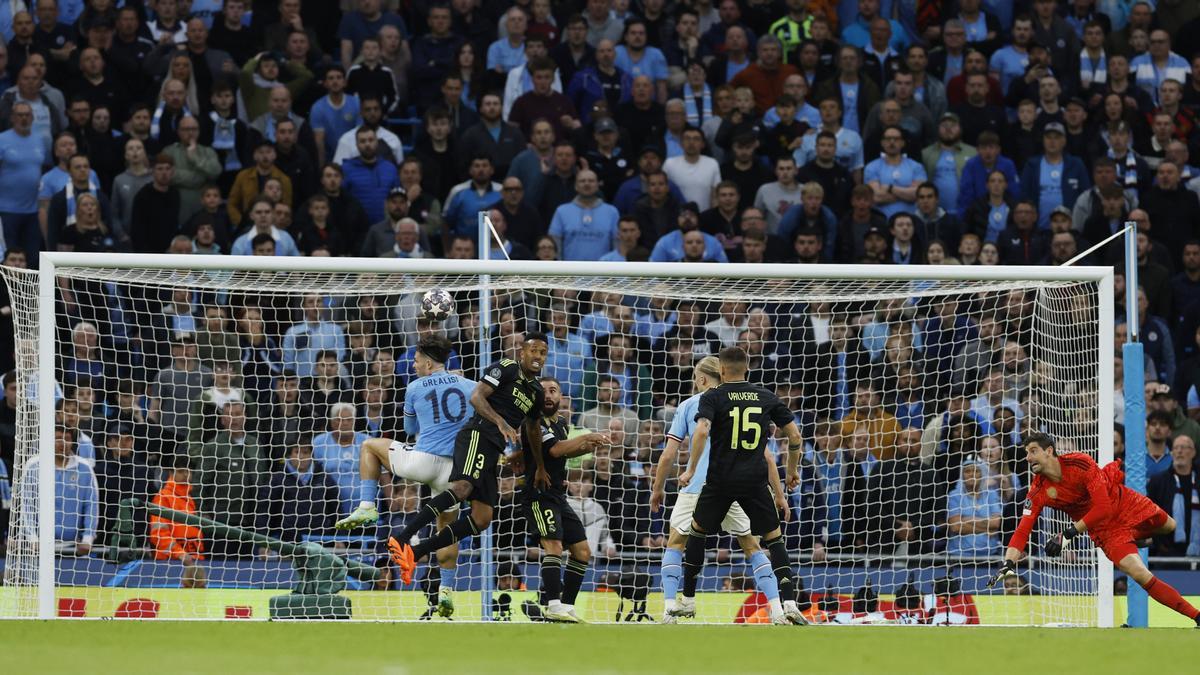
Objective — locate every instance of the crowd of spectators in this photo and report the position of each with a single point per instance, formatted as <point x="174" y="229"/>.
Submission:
<point x="970" y="132"/>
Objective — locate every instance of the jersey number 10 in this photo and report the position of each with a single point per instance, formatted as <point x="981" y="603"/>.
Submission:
<point x="743" y="424"/>
<point x="442" y="408"/>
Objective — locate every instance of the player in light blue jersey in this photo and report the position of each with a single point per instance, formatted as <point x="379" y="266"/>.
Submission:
<point x="708" y="375"/>
<point x="436" y="405"/>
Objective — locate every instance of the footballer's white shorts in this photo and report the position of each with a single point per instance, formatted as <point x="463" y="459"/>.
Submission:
<point x="421" y="467"/>
<point x="736" y="521"/>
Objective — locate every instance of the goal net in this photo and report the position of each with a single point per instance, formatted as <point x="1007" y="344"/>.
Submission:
<point x="189" y="429"/>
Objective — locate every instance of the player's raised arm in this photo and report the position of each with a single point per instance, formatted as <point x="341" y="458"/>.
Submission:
<point x="580" y="445"/>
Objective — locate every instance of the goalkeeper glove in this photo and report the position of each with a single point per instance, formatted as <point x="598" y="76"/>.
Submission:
<point x="1008" y="569"/>
<point x="1054" y="547"/>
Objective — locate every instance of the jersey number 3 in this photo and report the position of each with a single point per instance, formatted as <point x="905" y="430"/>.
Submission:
<point x="744" y="424"/>
<point x="442" y="408"/>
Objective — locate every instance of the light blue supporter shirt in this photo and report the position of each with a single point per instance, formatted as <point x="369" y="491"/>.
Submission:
<point x="945" y="178"/>
<point x="1010" y="64"/>
<point x="334" y="121"/>
<point x="435" y="408"/>
<point x="849" y="151"/>
<point x="652" y="64"/>
<point x="985" y="504"/>
<point x="341" y="463"/>
<point x="21" y="160"/>
<point x="1051" y="195"/>
<point x="585" y="233"/>
<point x="850" y="105"/>
<point x="903" y="174"/>
<point x="683" y="425"/>
<point x="505" y="56"/>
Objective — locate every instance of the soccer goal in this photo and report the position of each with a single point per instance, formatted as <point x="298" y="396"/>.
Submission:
<point x="189" y="429"/>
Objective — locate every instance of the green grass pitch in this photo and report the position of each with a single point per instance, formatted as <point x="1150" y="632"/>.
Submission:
<point x="395" y="649"/>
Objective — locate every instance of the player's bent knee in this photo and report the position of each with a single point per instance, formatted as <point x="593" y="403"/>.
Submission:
<point x="696" y="529"/>
<point x="1133" y="566"/>
<point x="1167" y="527"/>
<point x="581" y="551"/>
<point x="461" y="489"/>
<point x="749" y="544"/>
<point x="552" y="546"/>
<point x="772" y="535"/>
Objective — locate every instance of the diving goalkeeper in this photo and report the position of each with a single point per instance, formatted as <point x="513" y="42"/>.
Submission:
<point x="1100" y="505"/>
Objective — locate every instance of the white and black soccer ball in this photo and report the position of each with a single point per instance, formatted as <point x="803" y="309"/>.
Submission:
<point x="437" y="305"/>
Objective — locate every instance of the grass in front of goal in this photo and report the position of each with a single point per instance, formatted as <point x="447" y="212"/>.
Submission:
<point x="359" y="649"/>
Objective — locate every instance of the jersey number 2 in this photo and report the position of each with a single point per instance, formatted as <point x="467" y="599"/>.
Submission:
<point x="442" y="408"/>
<point x="743" y="424"/>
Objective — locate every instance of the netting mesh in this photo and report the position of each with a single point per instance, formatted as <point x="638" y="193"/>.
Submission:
<point x="244" y="398"/>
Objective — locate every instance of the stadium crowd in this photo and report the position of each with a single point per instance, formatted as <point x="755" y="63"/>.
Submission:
<point x="972" y="132"/>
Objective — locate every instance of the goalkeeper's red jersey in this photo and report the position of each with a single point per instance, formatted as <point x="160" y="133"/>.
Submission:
<point x="1086" y="492"/>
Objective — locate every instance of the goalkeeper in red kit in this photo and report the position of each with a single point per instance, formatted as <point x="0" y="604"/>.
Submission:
<point x="1100" y="505"/>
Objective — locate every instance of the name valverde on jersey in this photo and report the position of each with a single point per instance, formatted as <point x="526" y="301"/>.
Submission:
<point x="435" y="408"/>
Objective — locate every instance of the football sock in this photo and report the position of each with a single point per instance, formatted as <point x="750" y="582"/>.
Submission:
<point x="426" y="515"/>
<point x="764" y="576"/>
<point x="672" y="570"/>
<point x="572" y="580"/>
<point x="368" y="489"/>
<point x="447" y="575"/>
<point x="1167" y="596"/>
<point x="782" y="564"/>
<point x="551" y="578"/>
<point x="693" y="562"/>
<point x="460" y="529"/>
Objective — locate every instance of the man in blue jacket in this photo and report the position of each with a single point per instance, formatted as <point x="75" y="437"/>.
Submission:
<point x="1053" y="179"/>
<point x="601" y="81"/>
<point x="369" y="177"/>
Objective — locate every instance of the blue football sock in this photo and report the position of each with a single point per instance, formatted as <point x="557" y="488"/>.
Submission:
<point x="672" y="571"/>
<point x="368" y="489"/>
<point x="448" y="574"/>
<point x="764" y="576"/>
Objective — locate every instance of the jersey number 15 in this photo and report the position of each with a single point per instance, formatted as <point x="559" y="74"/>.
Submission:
<point x="743" y="423"/>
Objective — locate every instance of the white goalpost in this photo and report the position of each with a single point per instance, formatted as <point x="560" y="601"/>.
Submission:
<point x="189" y="427"/>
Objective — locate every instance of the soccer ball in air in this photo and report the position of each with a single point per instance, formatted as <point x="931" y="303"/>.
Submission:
<point x="437" y="305"/>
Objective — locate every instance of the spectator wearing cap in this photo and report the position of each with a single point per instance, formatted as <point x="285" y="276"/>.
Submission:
<point x="262" y="223"/>
<point x="894" y="177"/>
<point x="604" y="80"/>
<point x="1054" y="178"/>
<point x="649" y="162"/>
<point x="381" y="238"/>
<point x="608" y="158"/>
<point x="672" y="246"/>
<point x="945" y="159"/>
<point x="1177" y="491"/>
<point x="1023" y="242"/>
<point x="585" y="228"/>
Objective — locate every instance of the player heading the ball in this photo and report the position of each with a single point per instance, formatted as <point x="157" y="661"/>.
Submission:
<point x="738" y="417"/>
<point x="1100" y="505"/>
<point x="436" y="407"/>
<point x="508" y="398"/>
